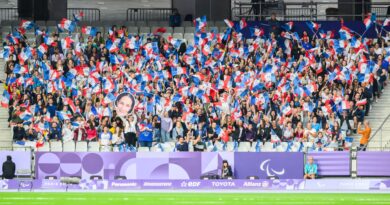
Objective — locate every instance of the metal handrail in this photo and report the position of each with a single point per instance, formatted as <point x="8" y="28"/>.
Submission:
<point x="149" y="14"/>
<point x="90" y="14"/>
<point x="379" y="128"/>
<point x="306" y="11"/>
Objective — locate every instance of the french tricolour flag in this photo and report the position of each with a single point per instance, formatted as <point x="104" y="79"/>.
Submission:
<point x="66" y="24"/>
<point x="386" y="22"/>
<point x="79" y="16"/>
<point x="312" y="25"/>
<point x="5" y="99"/>
<point x="42" y="49"/>
<point x="229" y="23"/>
<point x="200" y="23"/>
<point x="288" y="26"/>
<point x="27" y="25"/>
<point x="345" y="33"/>
<point x="111" y="46"/>
<point x="369" y="20"/>
<point x="361" y="102"/>
<point x="243" y="24"/>
<point x="286" y="109"/>
<point x="89" y="30"/>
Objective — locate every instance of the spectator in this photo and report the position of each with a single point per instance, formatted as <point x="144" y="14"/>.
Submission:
<point x="67" y="133"/>
<point x="226" y="171"/>
<point x="198" y="144"/>
<point x="175" y="19"/>
<point x="19" y="132"/>
<point x="274" y="24"/>
<point x="8" y="168"/>
<point x="146" y="134"/>
<point x="166" y="127"/>
<point x="182" y="145"/>
<point x="178" y="130"/>
<point x="55" y="132"/>
<point x="310" y="169"/>
<point x="131" y="131"/>
<point x="105" y="139"/>
<point x="156" y="123"/>
<point x="91" y="131"/>
<point x="365" y="135"/>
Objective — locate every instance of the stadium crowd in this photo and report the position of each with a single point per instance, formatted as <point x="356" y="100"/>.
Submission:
<point x="274" y="87"/>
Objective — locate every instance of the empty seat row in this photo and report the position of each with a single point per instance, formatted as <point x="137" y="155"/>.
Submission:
<point x="119" y="23"/>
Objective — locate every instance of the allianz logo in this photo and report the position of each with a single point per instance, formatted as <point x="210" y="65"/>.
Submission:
<point x="190" y="184"/>
<point x="256" y="184"/>
<point x="223" y="184"/>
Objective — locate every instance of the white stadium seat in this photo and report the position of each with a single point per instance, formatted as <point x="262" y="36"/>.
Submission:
<point x="143" y="149"/>
<point x="56" y="146"/>
<point x="93" y="147"/>
<point x="81" y="146"/>
<point x="69" y="146"/>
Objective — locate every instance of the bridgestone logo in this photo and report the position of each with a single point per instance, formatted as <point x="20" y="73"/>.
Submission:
<point x="130" y="184"/>
<point x="161" y="184"/>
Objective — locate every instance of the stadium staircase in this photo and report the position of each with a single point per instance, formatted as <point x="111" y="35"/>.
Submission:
<point x="380" y="123"/>
<point x="5" y="131"/>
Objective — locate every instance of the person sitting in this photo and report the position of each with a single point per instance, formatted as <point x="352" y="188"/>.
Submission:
<point x="182" y="145"/>
<point x="226" y="170"/>
<point x="19" y="132"/>
<point x="310" y="169"/>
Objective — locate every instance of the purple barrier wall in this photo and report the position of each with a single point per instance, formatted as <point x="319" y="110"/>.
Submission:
<point x="21" y="159"/>
<point x="373" y="163"/>
<point x="176" y="165"/>
<point x="332" y="163"/>
<point x="285" y="165"/>
<point x="192" y="185"/>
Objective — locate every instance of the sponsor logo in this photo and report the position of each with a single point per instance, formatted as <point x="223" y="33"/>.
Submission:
<point x="25" y="184"/>
<point x="190" y="184"/>
<point x="265" y="167"/>
<point x="223" y="184"/>
<point x="157" y="184"/>
<point x="123" y="184"/>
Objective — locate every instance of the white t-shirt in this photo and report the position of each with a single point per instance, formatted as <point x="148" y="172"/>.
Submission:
<point x="105" y="138"/>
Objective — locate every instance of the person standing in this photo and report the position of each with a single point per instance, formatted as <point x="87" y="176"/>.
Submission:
<point x="8" y="168"/>
<point x="365" y="135"/>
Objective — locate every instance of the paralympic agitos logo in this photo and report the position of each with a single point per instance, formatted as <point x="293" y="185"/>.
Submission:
<point x="265" y="167"/>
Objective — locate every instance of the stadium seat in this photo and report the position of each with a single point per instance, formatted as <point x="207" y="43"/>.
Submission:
<point x="282" y="147"/>
<point x="267" y="147"/>
<point x="81" y="146"/>
<point x="93" y="146"/>
<point x="177" y="35"/>
<point x="131" y="24"/>
<point x="166" y="35"/>
<point x="244" y="144"/>
<point x="156" y="149"/>
<point x="132" y="30"/>
<point x="69" y="146"/>
<point x="178" y="29"/>
<point x="141" y="23"/>
<point x="187" y="23"/>
<point x="143" y="149"/>
<point x="105" y="149"/>
<point x="44" y="148"/>
<point x="144" y="29"/>
<point x="189" y="29"/>
<point x="230" y="146"/>
<point x="56" y="146"/>
<point x="215" y="29"/>
<point x="189" y="36"/>
<point x="153" y="23"/>
<point x="18" y="147"/>
<point x="219" y="23"/>
<point x="243" y="149"/>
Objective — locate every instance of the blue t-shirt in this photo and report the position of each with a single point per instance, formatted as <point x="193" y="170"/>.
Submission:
<point x="146" y="136"/>
<point x="310" y="168"/>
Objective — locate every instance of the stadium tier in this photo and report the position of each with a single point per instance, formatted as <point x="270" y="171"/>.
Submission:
<point x="233" y="87"/>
